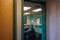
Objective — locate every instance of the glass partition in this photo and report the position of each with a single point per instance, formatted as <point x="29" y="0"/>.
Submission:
<point x="32" y="21"/>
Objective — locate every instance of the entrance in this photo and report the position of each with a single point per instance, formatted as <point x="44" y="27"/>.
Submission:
<point x="33" y="20"/>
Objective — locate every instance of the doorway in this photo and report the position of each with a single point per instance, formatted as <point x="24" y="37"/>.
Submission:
<point x="34" y="21"/>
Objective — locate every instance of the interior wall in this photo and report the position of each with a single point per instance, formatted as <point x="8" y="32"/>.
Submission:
<point x="6" y="19"/>
<point x="53" y="19"/>
<point x="19" y="12"/>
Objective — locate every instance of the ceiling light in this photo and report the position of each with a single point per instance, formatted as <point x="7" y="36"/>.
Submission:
<point x="26" y="13"/>
<point x="37" y="10"/>
<point x="26" y="8"/>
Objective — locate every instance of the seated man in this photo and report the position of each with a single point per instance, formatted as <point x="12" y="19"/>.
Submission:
<point x="30" y="30"/>
<point x="29" y="33"/>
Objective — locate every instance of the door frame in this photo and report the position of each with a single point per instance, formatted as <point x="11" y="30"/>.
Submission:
<point x="22" y="19"/>
<point x="43" y="3"/>
<point x="14" y="19"/>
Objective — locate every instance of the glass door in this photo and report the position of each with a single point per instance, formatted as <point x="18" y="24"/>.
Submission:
<point x="34" y="21"/>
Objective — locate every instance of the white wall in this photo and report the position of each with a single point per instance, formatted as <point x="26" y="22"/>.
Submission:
<point x="18" y="19"/>
<point x="53" y="20"/>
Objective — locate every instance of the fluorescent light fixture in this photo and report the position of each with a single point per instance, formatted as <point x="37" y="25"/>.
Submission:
<point x="37" y="10"/>
<point x="26" y="8"/>
<point x="26" y="13"/>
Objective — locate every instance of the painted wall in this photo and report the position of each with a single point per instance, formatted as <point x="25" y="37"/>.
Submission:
<point x="53" y="19"/>
<point x="19" y="19"/>
<point x="6" y="19"/>
<point x="52" y="22"/>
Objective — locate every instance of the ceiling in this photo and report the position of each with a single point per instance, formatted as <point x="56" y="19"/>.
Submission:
<point x="33" y="6"/>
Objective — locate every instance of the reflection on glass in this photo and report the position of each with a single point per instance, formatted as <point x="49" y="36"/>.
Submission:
<point x="32" y="21"/>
